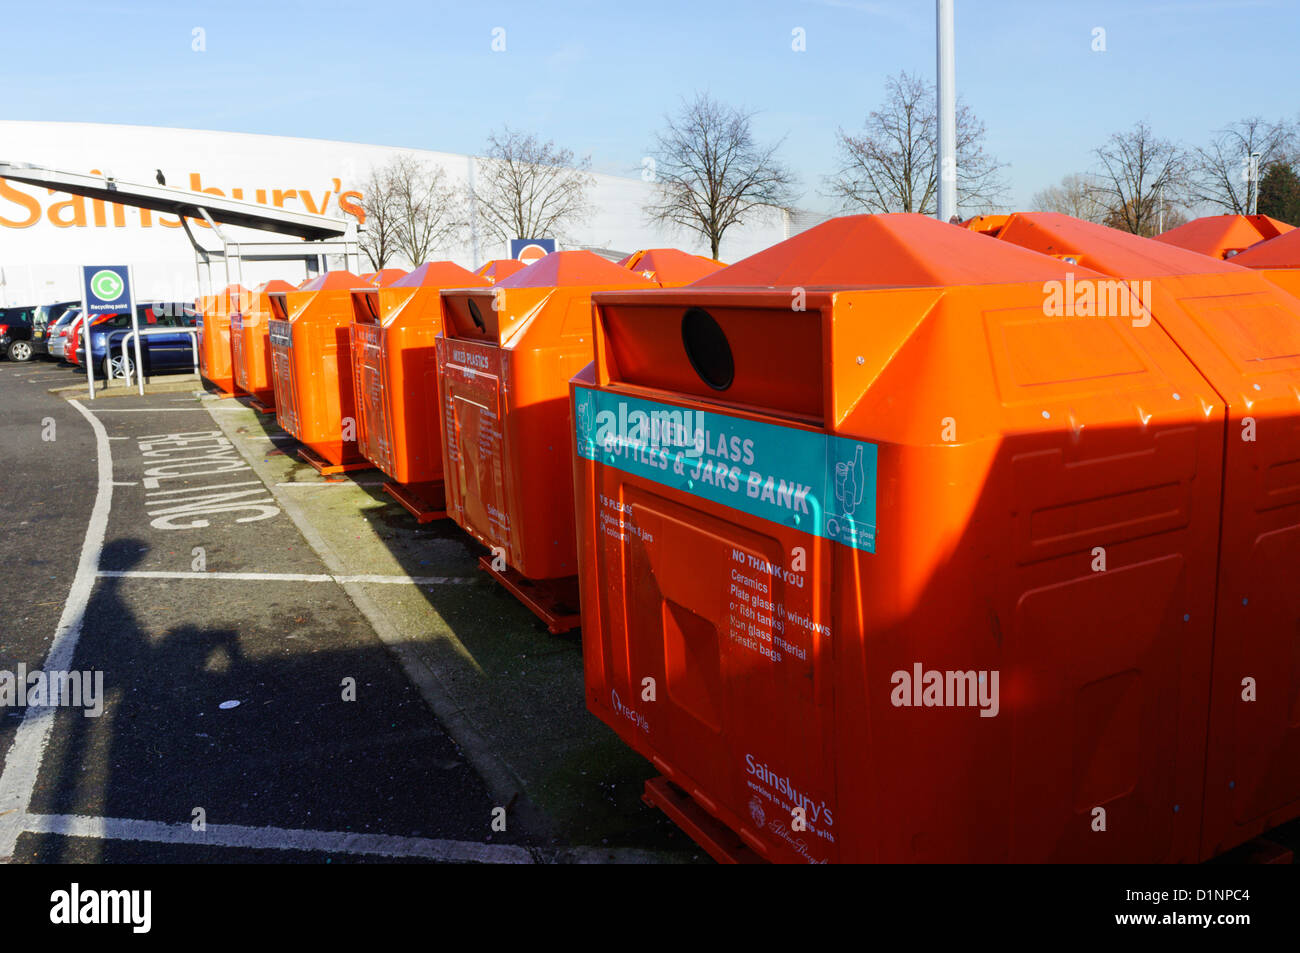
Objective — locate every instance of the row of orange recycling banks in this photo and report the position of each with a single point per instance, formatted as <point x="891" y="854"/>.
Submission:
<point x="897" y="541"/>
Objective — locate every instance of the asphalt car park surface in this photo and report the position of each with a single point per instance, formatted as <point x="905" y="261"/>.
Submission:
<point x="293" y="669"/>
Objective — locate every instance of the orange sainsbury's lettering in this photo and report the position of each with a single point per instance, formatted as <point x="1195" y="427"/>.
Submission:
<point x="352" y="208"/>
<point x="22" y="199"/>
<point x="80" y="212"/>
<point x="76" y="203"/>
<point x="308" y="201"/>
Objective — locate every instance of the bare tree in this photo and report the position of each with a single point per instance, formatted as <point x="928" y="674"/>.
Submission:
<point x="891" y="165"/>
<point x="1220" y="172"/>
<point x="378" y="235"/>
<point x="1156" y="222"/>
<point x="430" y="214"/>
<point x="1074" y="197"/>
<point x="1137" y="173"/>
<point x="526" y="188"/>
<point x="709" y="172"/>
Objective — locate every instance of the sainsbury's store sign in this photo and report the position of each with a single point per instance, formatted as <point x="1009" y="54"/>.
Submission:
<point x="22" y="206"/>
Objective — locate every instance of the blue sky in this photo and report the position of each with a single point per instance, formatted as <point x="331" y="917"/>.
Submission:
<point x="598" y="77"/>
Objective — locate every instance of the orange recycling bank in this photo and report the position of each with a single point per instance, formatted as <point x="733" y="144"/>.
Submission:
<point x="504" y="359"/>
<point x="499" y="268"/>
<point x="893" y="551"/>
<point x="215" y="354"/>
<point x="395" y="366"/>
<point x="250" y="344"/>
<point x="1277" y="259"/>
<point x="1243" y="335"/>
<point x="312" y="369"/>
<point x="670" y="267"/>
<point x="1223" y="236"/>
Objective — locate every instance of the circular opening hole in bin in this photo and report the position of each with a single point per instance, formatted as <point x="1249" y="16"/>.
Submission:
<point x="706" y="346"/>
<point x="476" y="315"/>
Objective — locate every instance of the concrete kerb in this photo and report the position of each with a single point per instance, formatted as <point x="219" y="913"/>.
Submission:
<point x="181" y="384"/>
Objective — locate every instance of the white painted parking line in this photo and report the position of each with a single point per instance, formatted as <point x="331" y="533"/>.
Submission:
<point x="276" y="838"/>
<point x="155" y="410"/>
<point x="288" y="577"/>
<point x="23" y="762"/>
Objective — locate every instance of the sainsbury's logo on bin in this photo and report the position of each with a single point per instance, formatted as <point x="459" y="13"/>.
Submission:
<point x="817" y="811"/>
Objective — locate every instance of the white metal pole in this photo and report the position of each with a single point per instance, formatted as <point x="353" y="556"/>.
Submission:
<point x="1252" y="206"/>
<point x="135" y="326"/>
<point x="946" y="88"/>
<point x="473" y="216"/>
<point x="85" y="335"/>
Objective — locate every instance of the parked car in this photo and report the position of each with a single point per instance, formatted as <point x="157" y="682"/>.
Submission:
<point x="159" y="350"/>
<point x="74" y="348"/>
<point x="45" y="318"/>
<point x="16" y="332"/>
<point x="56" y="334"/>
<point x="73" y="339"/>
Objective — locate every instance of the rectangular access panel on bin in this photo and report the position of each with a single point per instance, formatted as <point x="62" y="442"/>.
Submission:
<point x="670" y="267"/>
<point x="395" y="356"/>
<point x="1243" y="334"/>
<point x="856" y="547"/>
<point x="365" y="304"/>
<point x="1223" y="236"/>
<point x="1277" y="259"/>
<point x="505" y="358"/>
<point x="311" y="364"/>
<point x="250" y="343"/>
<point x="215" y="356"/>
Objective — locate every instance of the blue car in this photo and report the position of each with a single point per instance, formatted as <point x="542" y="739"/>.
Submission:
<point x="160" y="351"/>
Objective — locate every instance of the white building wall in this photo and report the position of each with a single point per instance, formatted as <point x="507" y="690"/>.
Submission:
<point x="44" y="237"/>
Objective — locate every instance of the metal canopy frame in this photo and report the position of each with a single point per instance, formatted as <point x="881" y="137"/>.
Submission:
<point x="318" y="237"/>
<point x="313" y="254"/>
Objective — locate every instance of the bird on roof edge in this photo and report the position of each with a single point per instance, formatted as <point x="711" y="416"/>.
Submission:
<point x="159" y="177"/>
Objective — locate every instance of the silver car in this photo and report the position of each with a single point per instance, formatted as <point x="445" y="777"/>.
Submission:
<point x="56" y="342"/>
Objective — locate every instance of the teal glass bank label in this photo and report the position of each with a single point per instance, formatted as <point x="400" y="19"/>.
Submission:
<point x="811" y="481"/>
